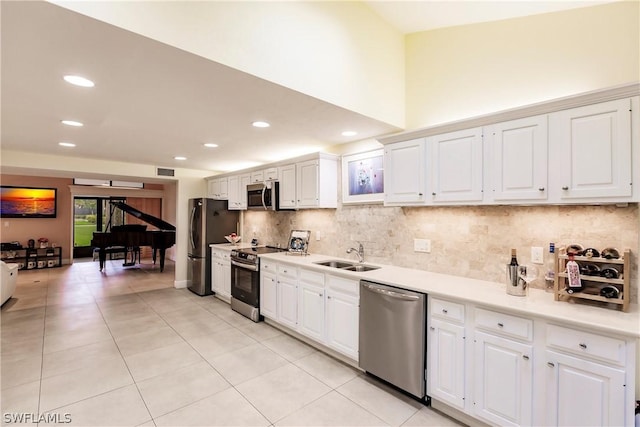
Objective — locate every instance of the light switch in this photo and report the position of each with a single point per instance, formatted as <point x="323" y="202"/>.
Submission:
<point x="537" y="255"/>
<point x="422" y="245"/>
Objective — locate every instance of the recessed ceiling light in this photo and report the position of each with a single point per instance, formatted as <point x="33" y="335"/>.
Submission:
<point x="66" y="144"/>
<point x="71" y="123"/>
<point x="210" y="145"/>
<point x="261" y="124"/>
<point x="180" y="158"/>
<point x="79" y="81"/>
<point x="349" y="133"/>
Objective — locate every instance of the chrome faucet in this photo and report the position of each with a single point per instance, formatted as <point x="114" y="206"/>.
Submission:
<point x="359" y="252"/>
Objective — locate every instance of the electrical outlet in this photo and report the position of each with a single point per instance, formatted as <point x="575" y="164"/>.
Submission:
<point x="422" y="245"/>
<point x="537" y="255"/>
<point x="317" y="235"/>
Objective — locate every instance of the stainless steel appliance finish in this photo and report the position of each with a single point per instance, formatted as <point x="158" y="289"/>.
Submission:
<point x="209" y="222"/>
<point x="264" y="196"/>
<point x="393" y="336"/>
<point x="245" y="280"/>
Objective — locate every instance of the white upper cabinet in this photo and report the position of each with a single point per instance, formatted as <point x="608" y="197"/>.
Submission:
<point x="308" y="187"/>
<point x="270" y="174"/>
<point x="217" y="188"/>
<point x="591" y="155"/>
<point x="238" y="191"/>
<point x="456" y="166"/>
<point x="257" y="177"/>
<point x="404" y="176"/>
<point x="317" y="183"/>
<point x="287" y="180"/>
<point x="517" y="162"/>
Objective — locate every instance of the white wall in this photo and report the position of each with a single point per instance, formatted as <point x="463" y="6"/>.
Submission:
<point x="339" y="52"/>
<point x="461" y="72"/>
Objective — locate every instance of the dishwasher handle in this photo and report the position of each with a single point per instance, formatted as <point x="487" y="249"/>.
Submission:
<point x="392" y="294"/>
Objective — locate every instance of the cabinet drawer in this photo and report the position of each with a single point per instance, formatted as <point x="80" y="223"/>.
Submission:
<point x="451" y="311"/>
<point x="504" y="324"/>
<point x="587" y="344"/>
<point x="312" y="277"/>
<point x="268" y="266"/>
<point x="345" y="286"/>
<point x="286" y="270"/>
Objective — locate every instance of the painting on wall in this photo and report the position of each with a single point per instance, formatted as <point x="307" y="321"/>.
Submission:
<point x="363" y="177"/>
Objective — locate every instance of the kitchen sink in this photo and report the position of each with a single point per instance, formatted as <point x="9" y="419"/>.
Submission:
<point x="350" y="266"/>
<point x="361" y="267"/>
<point x="335" y="264"/>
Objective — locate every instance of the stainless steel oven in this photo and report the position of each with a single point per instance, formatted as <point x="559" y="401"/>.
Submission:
<point x="245" y="280"/>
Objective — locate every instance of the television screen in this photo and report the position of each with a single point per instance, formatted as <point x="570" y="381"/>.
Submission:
<point x="27" y="202"/>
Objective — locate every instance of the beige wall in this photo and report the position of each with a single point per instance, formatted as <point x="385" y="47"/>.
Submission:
<point x="472" y="242"/>
<point x="57" y="229"/>
<point x="461" y="72"/>
<point x="341" y="52"/>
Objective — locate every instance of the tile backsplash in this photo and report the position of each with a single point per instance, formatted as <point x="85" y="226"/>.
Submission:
<point x="469" y="241"/>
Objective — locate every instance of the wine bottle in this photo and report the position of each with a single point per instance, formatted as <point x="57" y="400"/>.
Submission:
<point x="513" y="269"/>
<point x="574" y="284"/>
<point x="550" y="273"/>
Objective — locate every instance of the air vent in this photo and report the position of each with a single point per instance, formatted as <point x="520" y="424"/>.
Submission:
<point x="165" y="172"/>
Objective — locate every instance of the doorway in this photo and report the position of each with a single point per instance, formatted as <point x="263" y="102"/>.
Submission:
<point x="92" y="214"/>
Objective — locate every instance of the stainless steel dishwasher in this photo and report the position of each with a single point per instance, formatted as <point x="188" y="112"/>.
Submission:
<point x="392" y="335"/>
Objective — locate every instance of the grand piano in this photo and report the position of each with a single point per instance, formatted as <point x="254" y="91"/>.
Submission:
<point x="129" y="238"/>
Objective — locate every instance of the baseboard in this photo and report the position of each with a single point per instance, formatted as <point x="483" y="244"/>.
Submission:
<point x="180" y="284"/>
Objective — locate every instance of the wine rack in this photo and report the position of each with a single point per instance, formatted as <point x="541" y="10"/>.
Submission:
<point x="593" y="283"/>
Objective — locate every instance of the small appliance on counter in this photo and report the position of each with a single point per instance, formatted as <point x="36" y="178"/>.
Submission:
<point x="299" y="242"/>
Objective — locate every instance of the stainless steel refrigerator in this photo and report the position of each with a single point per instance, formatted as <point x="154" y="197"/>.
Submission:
<point x="209" y="222"/>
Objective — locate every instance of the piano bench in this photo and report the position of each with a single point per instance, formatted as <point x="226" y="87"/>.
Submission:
<point x="111" y="250"/>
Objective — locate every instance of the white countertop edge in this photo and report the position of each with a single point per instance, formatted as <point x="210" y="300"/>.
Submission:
<point x="537" y="303"/>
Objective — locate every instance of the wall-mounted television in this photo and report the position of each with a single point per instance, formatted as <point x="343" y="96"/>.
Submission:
<point x="27" y="202"/>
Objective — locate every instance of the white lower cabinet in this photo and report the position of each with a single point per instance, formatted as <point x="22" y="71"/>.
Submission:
<point x="446" y="369"/>
<point x="288" y="302"/>
<point x="268" y="295"/>
<point x="343" y="309"/>
<point x="311" y="311"/>
<point x="221" y="274"/>
<point x="503" y="380"/>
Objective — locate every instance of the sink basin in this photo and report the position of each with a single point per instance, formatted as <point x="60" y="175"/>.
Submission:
<point x="361" y="267"/>
<point x="335" y="264"/>
<point x="350" y="266"/>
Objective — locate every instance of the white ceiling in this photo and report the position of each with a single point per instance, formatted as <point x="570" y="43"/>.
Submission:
<point x="153" y="102"/>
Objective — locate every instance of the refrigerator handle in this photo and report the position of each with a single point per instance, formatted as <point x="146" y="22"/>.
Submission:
<point x="191" y="228"/>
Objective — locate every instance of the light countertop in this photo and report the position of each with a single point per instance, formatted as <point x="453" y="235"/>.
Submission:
<point x="537" y="303"/>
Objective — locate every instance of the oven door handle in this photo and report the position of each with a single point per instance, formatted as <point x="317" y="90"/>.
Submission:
<point x="244" y="266"/>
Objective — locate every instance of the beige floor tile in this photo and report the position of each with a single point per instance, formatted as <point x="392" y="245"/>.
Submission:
<point x="22" y="330"/>
<point x="65" y="325"/>
<point x="391" y="406"/>
<point x="76" y="313"/>
<point x="151" y="363"/>
<point x="332" y="409"/>
<point x="71" y="387"/>
<point x="260" y="331"/>
<point x="22" y="349"/>
<point x="87" y="356"/>
<point x="21" y="371"/>
<point x="288" y="347"/>
<point x="89" y="334"/>
<point x="227" y="408"/>
<point x="247" y="363"/>
<point x="149" y="340"/>
<point x="282" y="391"/>
<point x="428" y="417"/>
<point x="330" y="371"/>
<point x="124" y="328"/>
<point x="6" y="316"/>
<point x="224" y="341"/>
<point x="173" y="390"/>
<point x="192" y="313"/>
<point x="22" y="399"/>
<point x="120" y="407"/>
<point x="199" y="327"/>
<point x="233" y="318"/>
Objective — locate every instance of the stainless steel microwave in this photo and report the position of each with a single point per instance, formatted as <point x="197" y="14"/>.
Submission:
<point x="264" y="196"/>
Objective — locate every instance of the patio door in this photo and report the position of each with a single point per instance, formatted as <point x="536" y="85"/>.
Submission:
<point x="92" y="214"/>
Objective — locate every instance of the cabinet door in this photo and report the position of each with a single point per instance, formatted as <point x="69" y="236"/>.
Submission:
<point x="288" y="302"/>
<point x="226" y="278"/>
<point x="342" y="323"/>
<point x="311" y="311"/>
<point x="404" y="174"/>
<point x="456" y="166"/>
<point x="446" y="363"/>
<point x="213" y="188"/>
<point x="307" y="185"/>
<point x="287" y="178"/>
<point x="234" y="192"/>
<point x="583" y="393"/>
<point x="503" y="389"/>
<point x="518" y="152"/>
<point x="244" y="181"/>
<point x="268" y="296"/>
<point x="592" y="150"/>
<point x="223" y="188"/>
